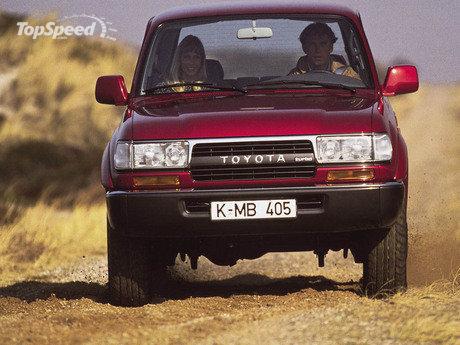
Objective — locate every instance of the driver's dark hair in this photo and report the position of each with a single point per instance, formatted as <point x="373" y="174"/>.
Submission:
<point x="317" y="29"/>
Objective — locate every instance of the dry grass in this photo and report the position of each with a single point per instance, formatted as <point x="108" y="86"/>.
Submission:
<point x="434" y="313"/>
<point x="46" y="236"/>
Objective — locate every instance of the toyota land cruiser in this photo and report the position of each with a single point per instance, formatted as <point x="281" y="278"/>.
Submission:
<point x="249" y="129"/>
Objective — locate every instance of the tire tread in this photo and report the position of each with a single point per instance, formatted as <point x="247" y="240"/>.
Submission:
<point x="129" y="263"/>
<point x="384" y="271"/>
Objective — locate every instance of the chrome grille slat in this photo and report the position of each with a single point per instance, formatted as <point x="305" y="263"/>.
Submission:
<point x="244" y="168"/>
<point x="215" y="149"/>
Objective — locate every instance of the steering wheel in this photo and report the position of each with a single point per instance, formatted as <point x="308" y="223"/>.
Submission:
<point x="322" y="71"/>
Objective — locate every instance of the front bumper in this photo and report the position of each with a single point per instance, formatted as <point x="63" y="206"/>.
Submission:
<point x="325" y="209"/>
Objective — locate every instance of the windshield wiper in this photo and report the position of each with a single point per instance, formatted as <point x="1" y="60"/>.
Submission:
<point x="205" y="85"/>
<point x="306" y="83"/>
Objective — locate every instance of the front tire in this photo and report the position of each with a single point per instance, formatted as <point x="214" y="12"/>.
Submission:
<point x="132" y="269"/>
<point x="384" y="269"/>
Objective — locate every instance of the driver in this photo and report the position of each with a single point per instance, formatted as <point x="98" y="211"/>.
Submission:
<point x="189" y="64"/>
<point x="188" y="67"/>
<point x="317" y="41"/>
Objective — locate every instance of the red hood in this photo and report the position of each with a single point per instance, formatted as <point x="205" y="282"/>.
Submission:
<point x="251" y="115"/>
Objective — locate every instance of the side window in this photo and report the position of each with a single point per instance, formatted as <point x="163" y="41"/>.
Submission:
<point x="338" y="54"/>
<point x="355" y="53"/>
<point x="159" y="62"/>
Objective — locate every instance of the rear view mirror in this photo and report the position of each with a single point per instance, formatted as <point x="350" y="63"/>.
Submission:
<point x="254" y="32"/>
<point x="399" y="80"/>
<point x="111" y="89"/>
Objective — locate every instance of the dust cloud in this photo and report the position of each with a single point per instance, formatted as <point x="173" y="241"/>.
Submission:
<point x="430" y="125"/>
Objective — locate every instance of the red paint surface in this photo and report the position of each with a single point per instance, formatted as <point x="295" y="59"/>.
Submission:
<point x="252" y="115"/>
<point x="111" y="89"/>
<point x="399" y="80"/>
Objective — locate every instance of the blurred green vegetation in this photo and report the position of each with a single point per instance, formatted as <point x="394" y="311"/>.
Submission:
<point x="52" y="131"/>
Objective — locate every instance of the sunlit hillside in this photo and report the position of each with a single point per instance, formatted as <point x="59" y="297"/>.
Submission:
<point x="52" y="135"/>
<point x="50" y="122"/>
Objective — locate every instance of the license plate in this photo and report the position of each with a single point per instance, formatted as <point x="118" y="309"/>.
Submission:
<point x="253" y="209"/>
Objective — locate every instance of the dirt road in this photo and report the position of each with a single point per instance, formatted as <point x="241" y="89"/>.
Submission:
<point x="280" y="298"/>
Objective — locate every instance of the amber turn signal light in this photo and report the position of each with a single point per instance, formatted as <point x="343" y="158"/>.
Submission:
<point x="345" y="175"/>
<point x="156" y="181"/>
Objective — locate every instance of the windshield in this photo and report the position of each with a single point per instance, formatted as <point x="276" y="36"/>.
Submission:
<point x="257" y="52"/>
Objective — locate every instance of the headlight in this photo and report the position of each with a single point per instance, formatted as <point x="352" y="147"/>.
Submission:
<point x="122" y="157"/>
<point x="353" y="148"/>
<point x="176" y="154"/>
<point x="382" y="147"/>
<point x="158" y="155"/>
<point x="148" y="155"/>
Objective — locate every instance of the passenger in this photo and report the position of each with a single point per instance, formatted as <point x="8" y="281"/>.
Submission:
<point x="317" y="41"/>
<point x="189" y="64"/>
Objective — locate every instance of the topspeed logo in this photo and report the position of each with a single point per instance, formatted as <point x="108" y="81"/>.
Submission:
<point x="92" y="26"/>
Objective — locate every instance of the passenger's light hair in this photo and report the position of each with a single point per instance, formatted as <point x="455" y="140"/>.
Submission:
<point x="190" y="43"/>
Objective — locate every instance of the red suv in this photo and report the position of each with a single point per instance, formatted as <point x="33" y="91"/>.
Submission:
<point x="252" y="129"/>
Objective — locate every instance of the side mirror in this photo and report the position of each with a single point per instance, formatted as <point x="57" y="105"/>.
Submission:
<point x="111" y="89"/>
<point x="399" y="80"/>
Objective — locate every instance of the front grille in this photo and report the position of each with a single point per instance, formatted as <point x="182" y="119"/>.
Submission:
<point x="252" y="148"/>
<point x="310" y="202"/>
<point x="265" y="170"/>
<point x="252" y="173"/>
<point x="197" y="206"/>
